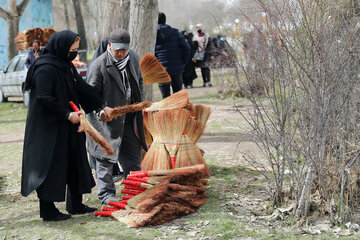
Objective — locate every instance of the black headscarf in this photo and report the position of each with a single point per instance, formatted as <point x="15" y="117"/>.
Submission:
<point x="55" y="53"/>
<point x="100" y="50"/>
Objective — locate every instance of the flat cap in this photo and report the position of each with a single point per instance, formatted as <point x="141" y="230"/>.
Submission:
<point x="120" y="39"/>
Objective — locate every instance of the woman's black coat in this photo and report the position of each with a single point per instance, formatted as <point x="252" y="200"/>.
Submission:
<point x="54" y="152"/>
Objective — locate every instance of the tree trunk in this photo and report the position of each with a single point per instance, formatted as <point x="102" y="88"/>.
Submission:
<point x="80" y="27"/>
<point x="110" y="17"/>
<point x="12" y="19"/>
<point x="66" y="14"/>
<point x="143" y="19"/>
<point x="13" y="30"/>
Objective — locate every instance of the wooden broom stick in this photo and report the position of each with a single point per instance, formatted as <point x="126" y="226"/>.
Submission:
<point x="119" y="111"/>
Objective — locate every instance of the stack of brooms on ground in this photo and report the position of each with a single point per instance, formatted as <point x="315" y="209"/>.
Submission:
<point x="26" y="38"/>
<point x="172" y="181"/>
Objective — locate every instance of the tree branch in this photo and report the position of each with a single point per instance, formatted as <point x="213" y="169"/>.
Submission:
<point x="4" y="14"/>
<point x="22" y="6"/>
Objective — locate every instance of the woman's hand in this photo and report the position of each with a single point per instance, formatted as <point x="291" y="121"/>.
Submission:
<point x="74" y="117"/>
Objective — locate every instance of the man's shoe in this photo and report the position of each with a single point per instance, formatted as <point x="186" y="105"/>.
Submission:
<point x="191" y="86"/>
<point x="81" y="210"/>
<point x="111" y="199"/>
<point x="185" y="86"/>
<point x="59" y="217"/>
<point x="204" y="84"/>
<point x="209" y="84"/>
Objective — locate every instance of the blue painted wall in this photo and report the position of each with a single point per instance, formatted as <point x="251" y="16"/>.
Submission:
<point x="37" y="14"/>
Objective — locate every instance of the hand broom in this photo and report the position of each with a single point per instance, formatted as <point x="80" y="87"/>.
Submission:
<point x="170" y="125"/>
<point x="188" y="154"/>
<point x="85" y="126"/>
<point x="152" y="71"/>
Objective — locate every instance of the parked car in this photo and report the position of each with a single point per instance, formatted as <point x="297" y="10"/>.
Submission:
<point x="12" y="79"/>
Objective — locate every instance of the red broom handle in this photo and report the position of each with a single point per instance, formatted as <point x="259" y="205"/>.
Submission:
<point x="172" y="159"/>
<point x="131" y="192"/>
<point x="127" y="197"/>
<point x="139" y="175"/>
<point x="103" y="213"/>
<point x="105" y="208"/>
<point x="130" y="187"/>
<point x="136" y="172"/>
<point x="129" y="182"/>
<point x="117" y="205"/>
<point x="74" y="107"/>
<point x="144" y="180"/>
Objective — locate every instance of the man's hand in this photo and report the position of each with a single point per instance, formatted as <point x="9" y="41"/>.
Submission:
<point x="105" y="115"/>
<point x="74" y="117"/>
<point x="36" y="56"/>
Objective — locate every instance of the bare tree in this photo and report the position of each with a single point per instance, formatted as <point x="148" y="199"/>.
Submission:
<point x="12" y="18"/>
<point x="143" y="19"/>
<point x="306" y="112"/>
<point x="80" y="26"/>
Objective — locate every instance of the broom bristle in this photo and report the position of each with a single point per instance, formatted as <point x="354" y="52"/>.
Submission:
<point x="177" y="100"/>
<point x="119" y="111"/>
<point x="85" y="126"/>
<point x="152" y="70"/>
<point x="202" y="113"/>
<point x="170" y="124"/>
<point x="194" y="129"/>
<point x="189" y="155"/>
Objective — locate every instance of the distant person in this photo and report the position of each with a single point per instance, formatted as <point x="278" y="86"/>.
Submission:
<point x="172" y="51"/>
<point x="189" y="73"/>
<point x="34" y="53"/>
<point x="204" y="53"/>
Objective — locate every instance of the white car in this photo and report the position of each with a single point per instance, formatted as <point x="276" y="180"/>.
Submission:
<point x="12" y="79"/>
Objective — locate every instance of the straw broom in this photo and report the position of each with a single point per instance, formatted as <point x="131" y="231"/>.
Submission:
<point x="152" y="70"/>
<point x="119" y="111"/>
<point x="202" y="113"/>
<point x="85" y="126"/>
<point x="177" y="100"/>
<point x="171" y="124"/>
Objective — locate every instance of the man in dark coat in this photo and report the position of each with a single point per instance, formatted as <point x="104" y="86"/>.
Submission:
<point x="172" y="51"/>
<point x="54" y="152"/>
<point x="34" y="53"/>
<point x="117" y="77"/>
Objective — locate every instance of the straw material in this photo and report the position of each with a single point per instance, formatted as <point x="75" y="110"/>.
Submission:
<point x="156" y="157"/>
<point x="202" y="113"/>
<point x="179" y="192"/>
<point x="189" y="155"/>
<point x="194" y="129"/>
<point x="85" y="126"/>
<point x="25" y="39"/>
<point x="152" y="70"/>
<point x="177" y="100"/>
<point x="170" y="124"/>
<point x="119" y="111"/>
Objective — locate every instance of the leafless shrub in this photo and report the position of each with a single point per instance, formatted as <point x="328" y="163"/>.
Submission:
<point x="304" y="86"/>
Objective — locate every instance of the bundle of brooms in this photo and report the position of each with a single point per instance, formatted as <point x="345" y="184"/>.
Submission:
<point x="25" y="38"/>
<point x="175" y="125"/>
<point x="156" y="197"/>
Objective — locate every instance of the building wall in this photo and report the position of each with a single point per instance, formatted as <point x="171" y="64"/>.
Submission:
<point x="37" y="14"/>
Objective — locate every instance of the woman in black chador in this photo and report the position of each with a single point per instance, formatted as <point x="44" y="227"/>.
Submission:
<point x="54" y="152"/>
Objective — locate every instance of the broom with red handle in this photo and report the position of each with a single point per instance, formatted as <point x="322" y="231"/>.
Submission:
<point x="85" y="126"/>
<point x="103" y="213"/>
<point x="152" y="71"/>
<point x="111" y="209"/>
<point x="118" y="204"/>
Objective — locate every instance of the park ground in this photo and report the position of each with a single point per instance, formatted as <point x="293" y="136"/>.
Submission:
<point x="238" y="205"/>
